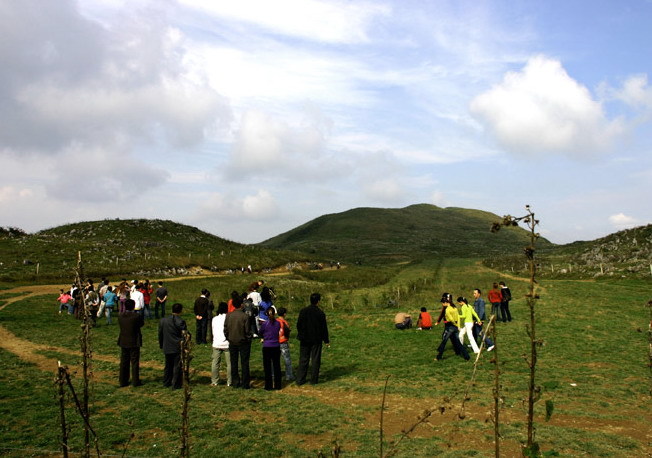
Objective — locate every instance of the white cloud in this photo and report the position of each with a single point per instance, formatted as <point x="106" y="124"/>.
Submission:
<point x="227" y="207"/>
<point x="621" y="221"/>
<point x="325" y="21"/>
<point x="267" y="147"/>
<point x="386" y="190"/>
<point x="11" y="193"/>
<point x="439" y="199"/>
<point x="94" y="94"/>
<point x="636" y="92"/>
<point x="541" y="109"/>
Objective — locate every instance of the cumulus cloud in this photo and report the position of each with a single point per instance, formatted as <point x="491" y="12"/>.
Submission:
<point x="621" y="221"/>
<point x="267" y="147"/>
<point x="89" y="93"/>
<point x="227" y="207"/>
<point x="541" y="109"/>
<point x="635" y="92"/>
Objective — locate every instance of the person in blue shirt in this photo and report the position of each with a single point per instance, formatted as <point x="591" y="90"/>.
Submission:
<point x="110" y="300"/>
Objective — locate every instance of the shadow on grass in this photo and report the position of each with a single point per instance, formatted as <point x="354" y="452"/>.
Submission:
<point x="333" y="373"/>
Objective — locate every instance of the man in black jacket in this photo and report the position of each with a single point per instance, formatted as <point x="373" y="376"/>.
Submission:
<point x="203" y="307"/>
<point x="312" y="330"/>
<point x="130" y="340"/>
<point x="237" y="330"/>
<point x="170" y="335"/>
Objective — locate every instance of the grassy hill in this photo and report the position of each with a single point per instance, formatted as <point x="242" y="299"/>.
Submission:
<point x="422" y="231"/>
<point x="624" y="253"/>
<point x="140" y="246"/>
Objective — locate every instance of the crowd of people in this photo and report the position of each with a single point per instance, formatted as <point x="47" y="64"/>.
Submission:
<point x="236" y="324"/>
<point x="462" y="320"/>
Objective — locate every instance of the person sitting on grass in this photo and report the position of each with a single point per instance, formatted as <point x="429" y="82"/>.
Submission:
<point x="424" y="321"/>
<point x="451" y="328"/>
<point x="402" y="321"/>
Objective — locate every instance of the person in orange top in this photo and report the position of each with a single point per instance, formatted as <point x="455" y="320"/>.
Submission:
<point x="229" y="305"/>
<point x="425" y="320"/>
<point x="284" y="340"/>
<point x="495" y="297"/>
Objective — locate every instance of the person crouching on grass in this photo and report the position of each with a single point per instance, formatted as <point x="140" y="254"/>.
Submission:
<point x="451" y="328"/>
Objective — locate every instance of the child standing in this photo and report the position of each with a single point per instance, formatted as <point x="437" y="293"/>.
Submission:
<point x="284" y="339"/>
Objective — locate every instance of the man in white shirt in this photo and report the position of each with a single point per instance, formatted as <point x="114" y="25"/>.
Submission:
<point x="139" y="299"/>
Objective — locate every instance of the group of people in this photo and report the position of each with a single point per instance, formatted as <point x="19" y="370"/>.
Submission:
<point x="104" y="299"/>
<point x="461" y="320"/>
<point x="252" y="315"/>
<point x="237" y="322"/>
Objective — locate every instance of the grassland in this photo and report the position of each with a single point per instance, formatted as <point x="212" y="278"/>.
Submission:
<point x="592" y="365"/>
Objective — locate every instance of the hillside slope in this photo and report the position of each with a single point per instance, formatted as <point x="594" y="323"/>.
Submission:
<point x="625" y="253"/>
<point x="393" y="235"/>
<point x="153" y="247"/>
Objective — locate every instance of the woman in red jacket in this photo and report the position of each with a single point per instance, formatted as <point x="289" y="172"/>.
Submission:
<point x="495" y="296"/>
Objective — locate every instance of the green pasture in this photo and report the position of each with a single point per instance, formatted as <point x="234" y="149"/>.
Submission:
<point x="593" y="367"/>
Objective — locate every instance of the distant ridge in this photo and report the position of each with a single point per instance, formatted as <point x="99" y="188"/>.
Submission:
<point x="402" y="234"/>
<point x="116" y="246"/>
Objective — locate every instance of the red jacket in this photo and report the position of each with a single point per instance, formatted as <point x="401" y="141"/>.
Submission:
<point x="495" y="296"/>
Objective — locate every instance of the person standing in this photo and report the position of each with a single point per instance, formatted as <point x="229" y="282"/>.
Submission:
<point x="495" y="297"/>
<point x="220" y="346"/>
<point x="130" y="340"/>
<point x="110" y="301"/>
<point x="138" y="297"/>
<point x="147" y="290"/>
<point x="284" y="340"/>
<point x="202" y="316"/>
<point x="270" y="331"/>
<point x="479" y="307"/>
<point x="170" y="335"/>
<point x="504" y="303"/>
<point x="237" y="330"/>
<point x="312" y="330"/>
<point x="161" y="299"/>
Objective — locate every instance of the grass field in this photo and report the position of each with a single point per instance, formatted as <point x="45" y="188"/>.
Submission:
<point x="593" y="366"/>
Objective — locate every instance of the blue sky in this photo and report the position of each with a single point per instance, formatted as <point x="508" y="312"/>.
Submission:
<point x="249" y="118"/>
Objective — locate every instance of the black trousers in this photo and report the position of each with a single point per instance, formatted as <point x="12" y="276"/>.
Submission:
<point x="202" y="330"/>
<point x="243" y="352"/>
<point x="172" y="370"/>
<point x="129" y="357"/>
<point x="272" y="359"/>
<point x="309" y="353"/>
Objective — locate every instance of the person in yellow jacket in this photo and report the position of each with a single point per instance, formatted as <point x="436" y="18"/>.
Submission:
<point x="451" y="328"/>
<point x="467" y="318"/>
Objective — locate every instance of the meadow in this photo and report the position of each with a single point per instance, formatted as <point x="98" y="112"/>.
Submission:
<point x="593" y="366"/>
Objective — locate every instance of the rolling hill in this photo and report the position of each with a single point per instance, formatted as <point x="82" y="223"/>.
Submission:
<point x="382" y="235"/>
<point x="147" y="247"/>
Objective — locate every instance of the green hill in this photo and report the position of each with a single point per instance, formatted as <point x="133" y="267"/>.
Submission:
<point x="625" y="253"/>
<point x="140" y="246"/>
<point x="416" y="232"/>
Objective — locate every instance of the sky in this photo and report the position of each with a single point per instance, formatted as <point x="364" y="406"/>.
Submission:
<point x="249" y="118"/>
